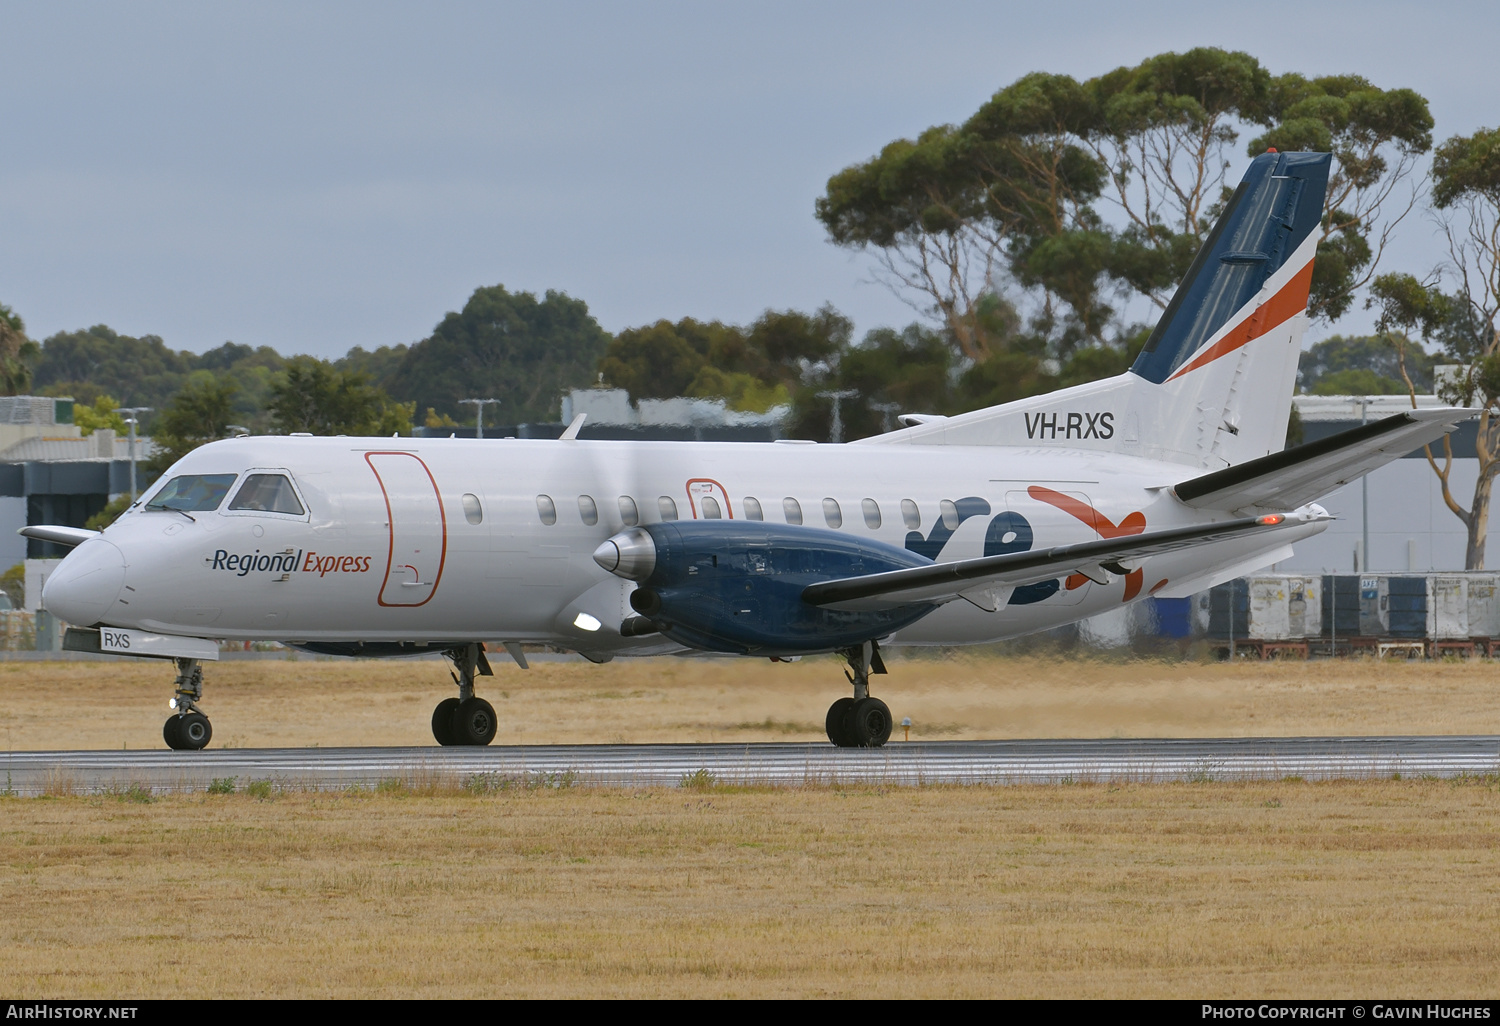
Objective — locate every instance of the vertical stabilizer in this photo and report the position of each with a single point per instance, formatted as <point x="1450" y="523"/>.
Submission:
<point x="1213" y="385"/>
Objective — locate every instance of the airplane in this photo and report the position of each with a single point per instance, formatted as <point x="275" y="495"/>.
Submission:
<point x="1164" y="480"/>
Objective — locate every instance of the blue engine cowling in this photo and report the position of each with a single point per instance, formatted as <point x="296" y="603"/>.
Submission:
<point x="736" y="586"/>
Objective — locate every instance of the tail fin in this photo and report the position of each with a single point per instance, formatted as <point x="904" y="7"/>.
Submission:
<point x="1265" y="229"/>
<point x="1213" y="385"/>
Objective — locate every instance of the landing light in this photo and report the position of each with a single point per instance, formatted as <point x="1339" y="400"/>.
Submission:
<point x="585" y="622"/>
<point x="171" y="703"/>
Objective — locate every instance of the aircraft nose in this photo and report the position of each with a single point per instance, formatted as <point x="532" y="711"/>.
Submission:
<point x="86" y="583"/>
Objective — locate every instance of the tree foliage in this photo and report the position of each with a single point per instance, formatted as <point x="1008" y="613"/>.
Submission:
<point x="507" y="345"/>
<point x="1461" y="322"/>
<point x="752" y="368"/>
<point x="313" y="395"/>
<point x="1057" y="193"/>
<point x="1364" y="365"/>
<point x="196" y="415"/>
<point x="99" y="414"/>
<point x="17" y="353"/>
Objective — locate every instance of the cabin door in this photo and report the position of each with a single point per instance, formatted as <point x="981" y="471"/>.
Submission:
<point x="418" y="528"/>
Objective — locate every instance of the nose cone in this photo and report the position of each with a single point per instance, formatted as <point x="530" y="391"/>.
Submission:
<point x="631" y="554"/>
<point x="86" y="583"/>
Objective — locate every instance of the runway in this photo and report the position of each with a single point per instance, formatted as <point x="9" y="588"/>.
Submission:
<point x="785" y="765"/>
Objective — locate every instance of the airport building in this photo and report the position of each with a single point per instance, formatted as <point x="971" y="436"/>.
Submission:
<point x="51" y="473"/>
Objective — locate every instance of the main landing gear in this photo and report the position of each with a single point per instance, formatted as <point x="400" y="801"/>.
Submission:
<point x="467" y="719"/>
<point x="861" y="721"/>
<point x="187" y="729"/>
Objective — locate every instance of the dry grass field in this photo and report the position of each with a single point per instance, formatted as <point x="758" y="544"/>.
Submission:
<point x="1388" y="888"/>
<point x="329" y="703"/>
<point x="1194" y="890"/>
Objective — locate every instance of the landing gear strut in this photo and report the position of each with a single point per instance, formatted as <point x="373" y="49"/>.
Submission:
<point x="187" y="729"/>
<point x="467" y="719"/>
<point x="861" y="721"/>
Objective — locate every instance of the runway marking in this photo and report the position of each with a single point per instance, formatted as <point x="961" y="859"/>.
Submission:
<point x="784" y="765"/>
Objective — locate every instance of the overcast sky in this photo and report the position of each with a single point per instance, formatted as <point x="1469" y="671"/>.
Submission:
<point x="317" y="176"/>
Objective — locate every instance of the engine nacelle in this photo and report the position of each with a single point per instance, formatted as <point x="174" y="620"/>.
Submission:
<point x="736" y="586"/>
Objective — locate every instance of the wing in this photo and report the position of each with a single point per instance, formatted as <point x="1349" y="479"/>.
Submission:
<point x="943" y="582"/>
<point x="1295" y="476"/>
<point x="57" y="535"/>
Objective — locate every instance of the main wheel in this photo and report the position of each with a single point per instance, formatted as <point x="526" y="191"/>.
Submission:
<point x="869" y="723"/>
<point x="837" y="723"/>
<point x="474" y="722"/>
<point x="191" y="732"/>
<point x="442" y="722"/>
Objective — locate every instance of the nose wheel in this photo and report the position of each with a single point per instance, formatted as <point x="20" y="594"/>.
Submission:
<point x="467" y="719"/>
<point x="187" y="729"/>
<point x="862" y="721"/>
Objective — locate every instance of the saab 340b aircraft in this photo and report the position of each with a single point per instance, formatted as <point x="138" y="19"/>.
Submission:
<point x="1164" y="481"/>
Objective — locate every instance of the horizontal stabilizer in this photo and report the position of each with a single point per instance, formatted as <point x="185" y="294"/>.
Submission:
<point x="57" y="535"/>
<point x="943" y="582"/>
<point x="1297" y="476"/>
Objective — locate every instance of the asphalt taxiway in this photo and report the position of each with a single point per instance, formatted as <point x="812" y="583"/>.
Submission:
<point x="898" y="763"/>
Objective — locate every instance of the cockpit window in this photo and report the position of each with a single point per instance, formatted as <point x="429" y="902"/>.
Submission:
<point x="267" y="493"/>
<point x="193" y="493"/>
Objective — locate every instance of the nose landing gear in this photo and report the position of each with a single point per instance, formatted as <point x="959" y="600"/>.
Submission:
<point x="187" y="729"/>
<point x="861" y="721"/>
<point x="467" y="719"/>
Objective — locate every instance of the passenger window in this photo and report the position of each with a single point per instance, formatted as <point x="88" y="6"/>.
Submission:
<point x="750" y="505"/>
<point x="950" y="514"/>
<point x="588" y="510"/>
<point x="546" y="509"/>
<point x="793" y="510"/>
<point x="198" y="493"/>
<point x="628" y="513"/>
<point x="473" y="512"/>
<point x="711" y="508"/>
<point x="668" y="507"/>
<point x="832" y="513"/>
<point x="266" y="493"/>
<point x="910" y="515"/>
<point x="871" y="510"/>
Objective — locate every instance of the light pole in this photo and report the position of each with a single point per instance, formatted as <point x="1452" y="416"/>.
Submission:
<point x="837" y="434"/>
<point x="479" y="405"/>
<point x="1364" y="488"/>
<point x="886" y="409"/>
<point x="134" y="412"/>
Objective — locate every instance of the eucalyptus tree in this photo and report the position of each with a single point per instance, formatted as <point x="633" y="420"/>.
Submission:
<point x="1464" y="321"/>
<point x="1057" y="193"/>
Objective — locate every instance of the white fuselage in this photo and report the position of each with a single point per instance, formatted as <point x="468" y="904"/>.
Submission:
<point x="447" y="540"/>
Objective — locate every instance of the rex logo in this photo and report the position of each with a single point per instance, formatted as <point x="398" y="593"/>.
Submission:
<point x="1132" y="523"/>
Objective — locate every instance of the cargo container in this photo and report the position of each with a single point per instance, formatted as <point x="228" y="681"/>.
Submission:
<point x="1407" y="612"/>
<point x="1447" y="597"/>
<point x="1484" y="606"/>
<point x="1284" y="607"/>
<point x="1267" y="607"/>
<point x="1342" y="606"/>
